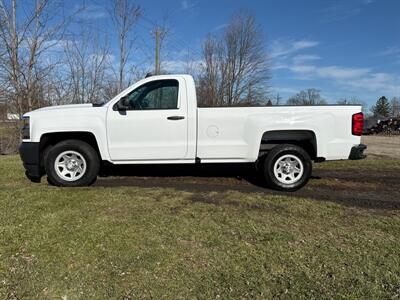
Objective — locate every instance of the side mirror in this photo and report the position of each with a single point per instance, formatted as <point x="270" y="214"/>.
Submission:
<point x="123" y="104"/>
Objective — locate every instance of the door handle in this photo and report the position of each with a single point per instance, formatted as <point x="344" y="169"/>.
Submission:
<point x="175" y="118"/>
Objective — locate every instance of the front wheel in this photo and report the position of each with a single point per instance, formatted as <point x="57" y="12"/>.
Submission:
<point x="72" y="163"/>
<point x="287" y="167"/>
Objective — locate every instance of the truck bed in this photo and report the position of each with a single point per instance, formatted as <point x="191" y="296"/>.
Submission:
<point x="235" y="133"/>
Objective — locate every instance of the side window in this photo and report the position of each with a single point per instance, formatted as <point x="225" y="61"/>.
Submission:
<point x="160" y="94"/>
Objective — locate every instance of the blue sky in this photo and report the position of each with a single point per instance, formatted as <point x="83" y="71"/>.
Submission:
<point x="345" y="48"/>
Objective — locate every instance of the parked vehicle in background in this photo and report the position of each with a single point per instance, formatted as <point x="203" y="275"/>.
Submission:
<point x="157" y="121"/>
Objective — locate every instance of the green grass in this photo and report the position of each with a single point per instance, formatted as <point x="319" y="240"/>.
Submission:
<point x="163" y="243"/>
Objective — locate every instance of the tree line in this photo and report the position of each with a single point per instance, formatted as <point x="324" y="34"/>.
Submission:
<point x="43" y="61"/>
<point x="48" y="58"/>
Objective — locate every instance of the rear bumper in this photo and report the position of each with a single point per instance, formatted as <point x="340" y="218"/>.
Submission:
<point x="30" y="155"/>
<point x="357" y="152"/>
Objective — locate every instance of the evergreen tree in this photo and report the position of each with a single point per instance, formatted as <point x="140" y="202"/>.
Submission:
<point x="381" y="108"/>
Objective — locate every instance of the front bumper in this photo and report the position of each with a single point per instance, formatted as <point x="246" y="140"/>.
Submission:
<point x="357" y="152"/>
<point x="30" y="155"/>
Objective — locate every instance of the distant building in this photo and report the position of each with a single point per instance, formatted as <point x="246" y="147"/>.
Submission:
<point x="12" y="117"/>
<point x="5" y="114"/>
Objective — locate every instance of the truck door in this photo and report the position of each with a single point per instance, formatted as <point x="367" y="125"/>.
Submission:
<point x="152" y="124"/>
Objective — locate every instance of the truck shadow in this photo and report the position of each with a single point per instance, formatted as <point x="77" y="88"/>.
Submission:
<point x="204" y="174"/>
<point x="341" y="186"/>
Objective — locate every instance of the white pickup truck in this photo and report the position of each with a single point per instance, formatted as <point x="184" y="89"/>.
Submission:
<point x="157" y="121"/>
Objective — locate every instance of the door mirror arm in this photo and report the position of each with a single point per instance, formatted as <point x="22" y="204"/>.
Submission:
<point x="122" y="104"/>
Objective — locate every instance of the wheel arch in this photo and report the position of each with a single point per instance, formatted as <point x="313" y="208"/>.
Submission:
<point x="49" y="139"/>
<point x="305" y="139"/>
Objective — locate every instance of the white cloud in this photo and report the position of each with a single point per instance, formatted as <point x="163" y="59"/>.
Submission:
<point x="303" y="58"/>
<point x="285" y="54"/>
<point x="304" y="44"/>
<point x="91" y="11"/>
<point x="303" y="69"/>
<point x="391" y="51"/>
<point x="360" y="79"/>
<point x="342" y="10"/>
<point x="377" y="82"/>
<point x="283" y="90"/>
<point x="281" y="48"/>
<point x="186" y="4"/>
<point x="279" y="66"/>
<point x="219" y="27"/>
<point x="181" y="66"/>
<point x="341" y="73"/>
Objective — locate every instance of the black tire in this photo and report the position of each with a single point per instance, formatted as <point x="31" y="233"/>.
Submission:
<point x="86" y="151"/>
<point x="43" y="159"/>
<point x="279" y="152"/>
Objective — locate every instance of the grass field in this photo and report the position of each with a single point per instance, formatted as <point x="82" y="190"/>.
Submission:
<point x="137" y="242"/>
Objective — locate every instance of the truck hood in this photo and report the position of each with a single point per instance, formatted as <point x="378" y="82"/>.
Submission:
<point x="75" y="109"/>
<point x="80" y="117"/>
<point x="66" y="107"/>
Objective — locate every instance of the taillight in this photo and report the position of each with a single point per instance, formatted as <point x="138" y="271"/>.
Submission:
<point x="357" y="124"/>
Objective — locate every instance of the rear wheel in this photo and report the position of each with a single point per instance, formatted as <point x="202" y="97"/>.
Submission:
<point x="287" y="167"/>
<point x="72" y="163"/>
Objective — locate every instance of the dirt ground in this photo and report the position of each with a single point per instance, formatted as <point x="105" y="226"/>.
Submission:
<point x="377" y="188"/>
<point x="373" y="189"/>
<point x="385" y="146"/>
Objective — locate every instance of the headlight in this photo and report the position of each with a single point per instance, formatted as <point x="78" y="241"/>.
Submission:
<point x="25" y="132"/>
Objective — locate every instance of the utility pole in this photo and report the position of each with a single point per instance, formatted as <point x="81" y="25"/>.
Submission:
<point x="159" y="34"/>
<point x="278" y="99"/>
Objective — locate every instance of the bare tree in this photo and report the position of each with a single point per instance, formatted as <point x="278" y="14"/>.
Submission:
<point x="236" y="69"/>
<point x="25" y="41"/>
<point x="274" y="99"/>
<point x="210" y="91"/>
<point x="86" y="59"/>
<point x="124" y="14"/>
<point x="395" y="106"/>
<point x="354" y="101"/>
<point x="191" y="66"/>
<point x="307" y="97"/>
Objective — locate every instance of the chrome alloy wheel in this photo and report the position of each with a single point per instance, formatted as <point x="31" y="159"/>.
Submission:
<point x="70" y="165"/>
<point x="288" y="169"/>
